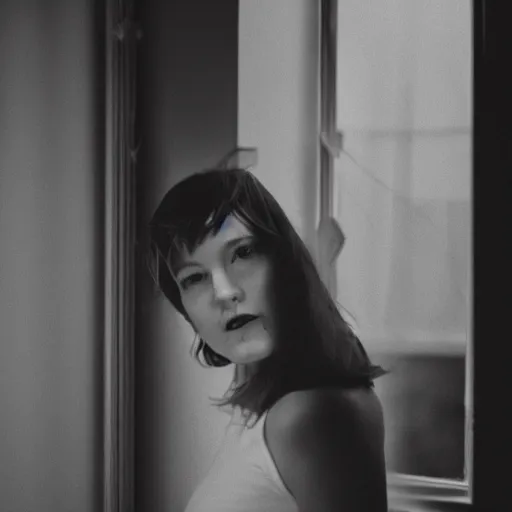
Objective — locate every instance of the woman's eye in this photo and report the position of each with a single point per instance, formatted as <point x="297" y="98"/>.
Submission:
<point x="243" y="252"/>
<point x="190" y="280"/>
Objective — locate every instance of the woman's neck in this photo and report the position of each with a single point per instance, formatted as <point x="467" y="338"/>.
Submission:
<point x="243" y="373"/>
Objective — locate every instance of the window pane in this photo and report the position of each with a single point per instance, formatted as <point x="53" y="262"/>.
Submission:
<point x="403" y="199"/>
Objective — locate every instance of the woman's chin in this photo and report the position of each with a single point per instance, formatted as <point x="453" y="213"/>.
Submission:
<point x="251" y="350"/>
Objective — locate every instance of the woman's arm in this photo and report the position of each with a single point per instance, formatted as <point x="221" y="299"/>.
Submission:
<point x="328" y="446"/>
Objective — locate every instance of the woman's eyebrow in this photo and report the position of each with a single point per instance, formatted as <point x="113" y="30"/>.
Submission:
<point x="183" y="265"/>
<point x="235" y="241"/>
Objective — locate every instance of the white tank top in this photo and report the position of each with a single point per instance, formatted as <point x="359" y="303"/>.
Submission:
<point x="243" y="476"/>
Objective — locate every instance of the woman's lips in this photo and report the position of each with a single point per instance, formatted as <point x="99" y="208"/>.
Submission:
<point x="239" y="321"/>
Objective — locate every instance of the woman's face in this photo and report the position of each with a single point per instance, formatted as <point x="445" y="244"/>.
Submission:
<point x="227" y="276"/>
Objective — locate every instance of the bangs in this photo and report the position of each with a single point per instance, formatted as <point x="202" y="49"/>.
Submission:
<point x="187" y="237"/>
<point x="198" y="206"/>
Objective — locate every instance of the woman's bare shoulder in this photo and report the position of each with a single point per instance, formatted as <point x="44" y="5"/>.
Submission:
<point x="335" y="436"/>
<point x="352" y="406"/>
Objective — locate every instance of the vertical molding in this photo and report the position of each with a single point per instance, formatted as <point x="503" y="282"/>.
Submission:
<point x="330" y="237"/>
<point x="120" y="153"/>
<point x="328" y="46"/>
<point x="477" y="16"/>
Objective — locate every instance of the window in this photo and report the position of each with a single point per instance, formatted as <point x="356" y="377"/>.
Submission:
<point x="396" y="175"/>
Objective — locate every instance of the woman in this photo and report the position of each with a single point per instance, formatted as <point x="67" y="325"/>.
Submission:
<point x="307" y="428"/>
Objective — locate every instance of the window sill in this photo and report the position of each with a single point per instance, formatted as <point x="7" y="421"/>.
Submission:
<point x="416" y="494"/>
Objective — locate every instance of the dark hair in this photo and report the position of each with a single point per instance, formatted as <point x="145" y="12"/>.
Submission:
<point x="316" y="346"/>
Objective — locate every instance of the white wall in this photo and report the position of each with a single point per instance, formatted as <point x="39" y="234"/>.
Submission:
<point x="50" y="259"/>
<point x="278" y="102"/>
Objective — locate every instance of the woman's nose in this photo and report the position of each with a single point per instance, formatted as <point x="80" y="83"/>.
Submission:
<point x="225" y="289"/>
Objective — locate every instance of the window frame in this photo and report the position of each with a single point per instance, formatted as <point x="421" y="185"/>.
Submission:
<point x="120" y="33"/>
<point x="405" y="491"/>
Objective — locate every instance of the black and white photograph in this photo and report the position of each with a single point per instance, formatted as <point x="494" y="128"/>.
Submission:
<point x="253" y="256"/>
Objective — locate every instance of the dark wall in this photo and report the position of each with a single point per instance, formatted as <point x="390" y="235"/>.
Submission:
<point x="187" y="120"/>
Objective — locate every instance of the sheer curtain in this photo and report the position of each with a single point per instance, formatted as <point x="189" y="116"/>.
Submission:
<point x="403" y="181"/>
